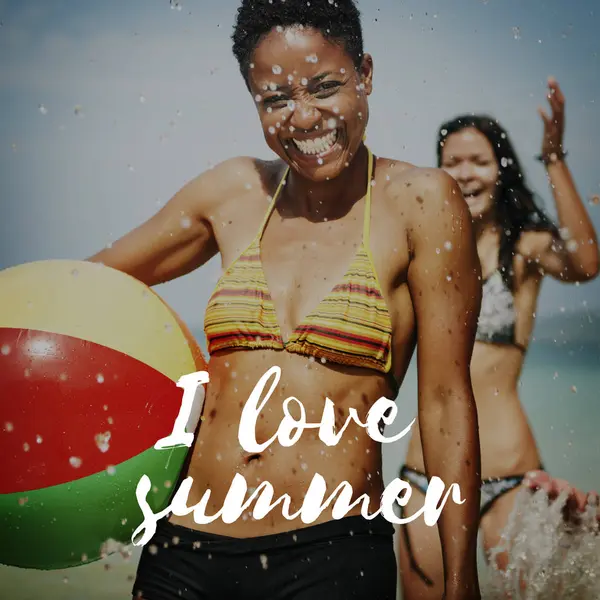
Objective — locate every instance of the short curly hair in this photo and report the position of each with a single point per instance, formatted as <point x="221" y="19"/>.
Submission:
<point x="337" y="20"/>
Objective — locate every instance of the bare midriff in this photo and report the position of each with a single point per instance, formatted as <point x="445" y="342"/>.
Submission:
<point x="217" y="455"/>
<point x="506" y="439"/>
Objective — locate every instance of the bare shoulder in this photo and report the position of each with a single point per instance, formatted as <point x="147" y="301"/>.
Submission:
<point x="229" y="176"/>
<point x="235" y="181"/>
<point x="533" y="243"/>
<point x="422" y="192"/>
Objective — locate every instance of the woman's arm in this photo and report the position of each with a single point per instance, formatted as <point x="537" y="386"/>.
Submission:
<point x="179" y="238"/>
<point x="444" y="281"/>
<point x="576" y="257"/>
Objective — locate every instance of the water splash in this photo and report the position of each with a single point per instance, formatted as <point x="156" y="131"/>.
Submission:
<point x="102" y="441"/>
<point x="554" y="559"/>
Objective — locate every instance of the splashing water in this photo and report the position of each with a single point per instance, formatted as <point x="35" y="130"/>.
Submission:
<point x="75" y="462"/>
<point x="553" y="558"/>
<point x="111" y="546"/>
<point x="102" y="441"/>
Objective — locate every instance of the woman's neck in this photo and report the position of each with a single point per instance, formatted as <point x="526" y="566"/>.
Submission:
<point x="326" y="200"/>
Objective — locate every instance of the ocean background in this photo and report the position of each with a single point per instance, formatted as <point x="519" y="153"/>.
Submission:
<point x="560" y="389"/>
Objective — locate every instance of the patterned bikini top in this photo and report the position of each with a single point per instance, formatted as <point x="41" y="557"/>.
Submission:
<point x="497" y="318"/>
<point x="350" y="326"/>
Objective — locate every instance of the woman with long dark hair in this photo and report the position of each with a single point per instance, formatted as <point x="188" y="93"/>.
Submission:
<point x="518" y="245"/>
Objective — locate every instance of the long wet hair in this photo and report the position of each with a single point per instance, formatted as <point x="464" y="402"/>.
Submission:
<point x="516" y="208"/>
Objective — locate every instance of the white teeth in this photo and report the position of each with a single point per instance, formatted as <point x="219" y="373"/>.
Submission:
<point x="318" y="145"/>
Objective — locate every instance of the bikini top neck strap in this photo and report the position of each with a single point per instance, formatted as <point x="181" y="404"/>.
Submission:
<point x="367" y="220"/>
<point x="272" y="203"/>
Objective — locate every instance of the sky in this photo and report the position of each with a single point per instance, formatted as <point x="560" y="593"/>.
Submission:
<point x="108" y="108"/>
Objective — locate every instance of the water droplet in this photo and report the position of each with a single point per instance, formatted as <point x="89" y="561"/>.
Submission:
<point x="219" y="457"/>
<point x="437" y="251"/>
<point x="257" y="98"/>
<point x="142" y="99"/>
<point x="271" y="130"/>
<point x="304" y="81"/>
<point x="102" y="441"/>
<point x="264" y="561"/>
<point x="304" y="466"/>
<point x="291" y="105"/>
<point x="312" y="58"/>
<point x="43" y="109"/>
<point x="448" y="277"/>
<point x="38" y="439"/>
<point x="23" y="500"/>
<point x="75" y="462"/>
<point x="168" y="327"/>
<point x="186" y="222"/>
<point x="277" y="69"/>
<point x="5" y="349"/>
<point x="320" y="160"/>
<point x="516" y="33"/>
<point x="153" y="548"/>
<point x="572" y="246"/>
<point x="448" y="246"/>
<point x="100" y="378"/>
<point x="78" y="110"/>
<point x="8" y="427"/>
<point x="63" y="376"/>
<point x="26" y="447"/>
<point x="574" y="389"/>
<point x="111" y="470"/>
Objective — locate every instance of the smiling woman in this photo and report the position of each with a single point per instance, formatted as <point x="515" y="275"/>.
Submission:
<point x="314" y="113"/>
<point x="331" y="274"/>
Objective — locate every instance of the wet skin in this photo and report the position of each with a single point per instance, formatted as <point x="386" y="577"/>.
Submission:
<point x="309" y="242"/>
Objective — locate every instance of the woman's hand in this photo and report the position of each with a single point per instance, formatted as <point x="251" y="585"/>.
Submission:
<point x="554" y="124"/>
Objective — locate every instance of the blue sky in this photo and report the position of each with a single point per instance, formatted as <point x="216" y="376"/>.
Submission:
<point x="137" y="98"/>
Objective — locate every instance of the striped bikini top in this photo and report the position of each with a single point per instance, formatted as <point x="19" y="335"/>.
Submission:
<point x="350" y="326"/>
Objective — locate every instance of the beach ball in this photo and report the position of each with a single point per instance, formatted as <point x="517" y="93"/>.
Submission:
<point x="89" y="363"/>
